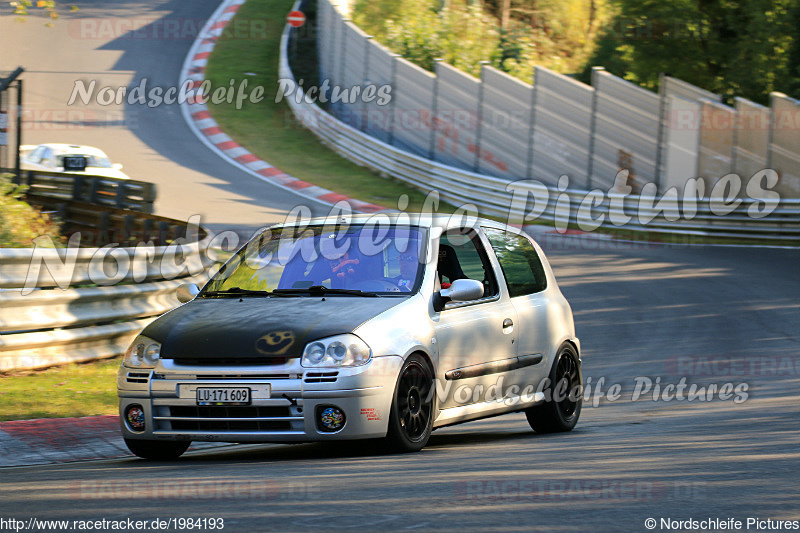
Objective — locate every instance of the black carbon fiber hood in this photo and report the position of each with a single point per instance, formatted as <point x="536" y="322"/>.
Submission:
<point x="259" y="328"/>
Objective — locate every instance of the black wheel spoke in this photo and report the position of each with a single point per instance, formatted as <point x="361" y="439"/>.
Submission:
<point x="413" y="405"/>
<point x="566" y="373"/>
<point x="561" y="411"/>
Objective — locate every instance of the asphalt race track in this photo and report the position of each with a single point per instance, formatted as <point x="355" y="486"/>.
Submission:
<point x="711" y="315"/>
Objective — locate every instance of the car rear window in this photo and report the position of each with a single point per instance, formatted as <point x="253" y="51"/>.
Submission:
<point x="521" y="265"/>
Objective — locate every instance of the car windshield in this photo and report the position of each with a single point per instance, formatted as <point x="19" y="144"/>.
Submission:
<point x="365" y="260"/>
<point x="91" y="160"/>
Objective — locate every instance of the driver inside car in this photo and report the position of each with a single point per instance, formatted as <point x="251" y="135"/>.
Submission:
<point x="408" y="264"/>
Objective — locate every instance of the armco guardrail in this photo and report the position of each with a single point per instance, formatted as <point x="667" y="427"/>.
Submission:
<point x="103" y="209"/>
<point x="27" y="269"/>
<point x="42" y="325"/>
<point x="100" y="224"/>
<point x="494" y="196"/>
<point x="98" y="190"/>
<point x="74" y="304"/>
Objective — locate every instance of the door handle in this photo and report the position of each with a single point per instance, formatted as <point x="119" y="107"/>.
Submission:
<point x="507" y="323"/>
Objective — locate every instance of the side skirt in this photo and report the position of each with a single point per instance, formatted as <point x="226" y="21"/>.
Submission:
<point x="475" y="411"/>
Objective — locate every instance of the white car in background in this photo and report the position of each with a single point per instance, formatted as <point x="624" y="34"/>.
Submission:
<point x="69" y="158"/>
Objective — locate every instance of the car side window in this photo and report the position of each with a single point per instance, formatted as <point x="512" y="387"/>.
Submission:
<point x="462" y="256"/>
<point x="36" y="155"/>
<point x="47" y="157"/>
<point x="521" y="265"/>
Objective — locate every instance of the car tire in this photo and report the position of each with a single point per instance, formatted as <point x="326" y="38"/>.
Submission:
<point x="412" y="410"/>
<point x="559" y="412"/>
<point x="157" y="450"/>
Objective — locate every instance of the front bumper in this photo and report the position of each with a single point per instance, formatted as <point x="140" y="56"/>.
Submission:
<point x="285" y="401"/>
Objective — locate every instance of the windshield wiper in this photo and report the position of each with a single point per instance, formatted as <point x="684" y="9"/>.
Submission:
<point x="321" y="290"/>
<point x="237" y="291"/>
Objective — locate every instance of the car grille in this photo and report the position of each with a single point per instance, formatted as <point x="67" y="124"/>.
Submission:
<point x="320" y="377"/>
<point x="137" y="377"/>
<point x="233" y="361"/>
<point x="228" y="418"/>
<point x="221" y="377"/>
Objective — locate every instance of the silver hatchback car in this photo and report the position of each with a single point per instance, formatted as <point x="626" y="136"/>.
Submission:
<point x="372" y="327"/>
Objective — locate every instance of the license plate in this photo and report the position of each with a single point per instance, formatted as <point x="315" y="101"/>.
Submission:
<point x="227" y="396"/>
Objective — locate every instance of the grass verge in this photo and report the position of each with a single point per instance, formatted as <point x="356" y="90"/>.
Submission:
<point x="269" y="130"/>
<point x="86" y="389"/>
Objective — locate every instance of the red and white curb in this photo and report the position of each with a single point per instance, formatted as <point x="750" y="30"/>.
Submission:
<point x="206" y="129"/>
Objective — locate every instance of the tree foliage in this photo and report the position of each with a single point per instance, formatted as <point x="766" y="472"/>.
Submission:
<point x="19" y="222"/>
<point x="460" y="34"/>
<point x="732" y="47"/>
<point x="742" y="48"/>
<point x="555" y="34"/>
<point x="22" y="7"/>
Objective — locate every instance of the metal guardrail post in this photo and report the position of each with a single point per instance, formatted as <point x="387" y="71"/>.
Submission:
<point x="103" y="224"/>
<point x="17" y="159"/>
<point x="734" y="141"/>
<point x="149" y="197"/>
<point x="342" y="53"/>
<point x="699" y="138"/>
<point x="127" y="227"/>
<point x="163" y="232"/>
<point x="93" y="190"/>
<point x="122" y="192"/>
<point x="660" y="137"/>
<point x="3" y="148"/>
<point x="592" y="126"/>
<point x="364" y="118"/>
<point x="532" y="132"/>
<point x="479" y="119"/>
<point x="434" y="110"/>
<point x="77" y="188"/>
<point x="147" y="230"/>
<point x="771" y="134"/>
<point x="331" y="45"/>
<point x="393" y="102"/>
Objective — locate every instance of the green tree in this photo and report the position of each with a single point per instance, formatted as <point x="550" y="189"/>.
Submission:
<point x="19" y="222"/>
<point x="21" y="8"/>
<point x="512" y="35"/>
<point x="731" y="47"/>
<point x="460" y="33"/>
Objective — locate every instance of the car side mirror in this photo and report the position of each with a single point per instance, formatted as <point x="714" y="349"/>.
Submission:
<point x="461" y="290"/>
<point x="187" y="292"/>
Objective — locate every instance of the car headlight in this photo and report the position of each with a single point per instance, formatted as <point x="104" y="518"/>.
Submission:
<point x="336" y="351"/>
<point x="144" y="352"/>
